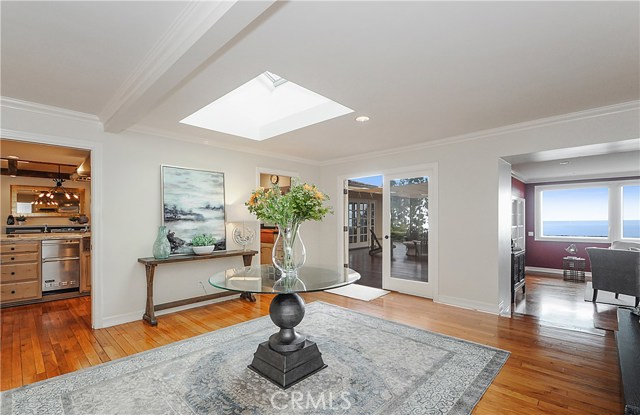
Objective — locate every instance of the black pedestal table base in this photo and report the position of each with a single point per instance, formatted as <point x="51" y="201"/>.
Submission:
<point x="288" y="357"/>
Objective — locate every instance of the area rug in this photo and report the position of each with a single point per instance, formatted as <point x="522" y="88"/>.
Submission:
<point x="374" y="367"/>
<point x="607" y="297"/>
<point x="359" y="292"/>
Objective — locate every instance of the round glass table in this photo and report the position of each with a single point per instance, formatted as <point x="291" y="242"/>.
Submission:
<point x="288" y="356"/>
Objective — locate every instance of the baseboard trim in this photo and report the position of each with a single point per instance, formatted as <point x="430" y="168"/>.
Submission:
<point x="551" y="272"/>
<point x="137" y="315"/>
<point x="468" y="304"/>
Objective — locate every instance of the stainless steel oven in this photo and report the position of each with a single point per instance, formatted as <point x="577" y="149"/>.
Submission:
<point x="60" y="264"/>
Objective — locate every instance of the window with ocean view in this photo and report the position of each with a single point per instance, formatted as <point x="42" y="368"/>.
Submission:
<point x="631" y="211"/>
<point x="589" y="211"/>
<point x="582" y="212"/>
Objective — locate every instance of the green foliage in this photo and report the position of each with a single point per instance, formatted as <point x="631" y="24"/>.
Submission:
<point x="302" y="202"/>
<point x="203" y="240"/>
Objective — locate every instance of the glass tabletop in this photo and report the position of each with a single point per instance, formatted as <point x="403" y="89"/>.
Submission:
<point x="265" y="279"/>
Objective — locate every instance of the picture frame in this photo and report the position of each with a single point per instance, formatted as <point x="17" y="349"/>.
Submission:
<point x="193" y="202"/>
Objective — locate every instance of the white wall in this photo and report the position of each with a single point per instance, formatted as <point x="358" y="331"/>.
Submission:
<point x="127" y="168"/>
<point x="504" y="236"/>
<point x="469" y="176"/>
<point x="125" y="223"/>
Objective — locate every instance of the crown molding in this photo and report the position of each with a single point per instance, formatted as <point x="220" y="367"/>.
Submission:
<point x="508" y="129"/>
<point x="17" y="104"/>
<point x="207" y="142"/>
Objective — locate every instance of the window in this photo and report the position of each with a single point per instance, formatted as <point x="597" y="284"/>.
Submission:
<point x="631" y="211"/>
<point x="576" y="212"/>
<point x="598" y="211"/>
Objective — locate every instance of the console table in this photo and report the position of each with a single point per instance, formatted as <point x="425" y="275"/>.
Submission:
<point x="151" y="263"/>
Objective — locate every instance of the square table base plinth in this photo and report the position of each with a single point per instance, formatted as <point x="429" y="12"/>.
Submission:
<point x="286" y="369"/>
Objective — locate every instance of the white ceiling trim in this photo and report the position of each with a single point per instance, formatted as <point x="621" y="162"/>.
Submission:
<point x="617" y="175"/>
<point x="508" y="129"/>
<point x="241" y="148"/>
<point x="176" y="56"/>
<point x="8" y="102"/>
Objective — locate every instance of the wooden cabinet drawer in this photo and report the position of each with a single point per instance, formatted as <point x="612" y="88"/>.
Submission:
<point x="19" y="257"/>
<point x="268" y="237"/>
<point x="19" y="272"/>
<point x="9" y="248"/>
<point x="20" y="291"/>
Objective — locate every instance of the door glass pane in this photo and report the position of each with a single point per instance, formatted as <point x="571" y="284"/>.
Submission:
<point x="409" y="228"/>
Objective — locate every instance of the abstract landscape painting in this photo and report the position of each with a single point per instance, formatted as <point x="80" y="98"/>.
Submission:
<point x="193" y="203"/>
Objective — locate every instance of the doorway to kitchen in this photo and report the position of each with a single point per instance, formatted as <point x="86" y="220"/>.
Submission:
<point x="46" y="193"/>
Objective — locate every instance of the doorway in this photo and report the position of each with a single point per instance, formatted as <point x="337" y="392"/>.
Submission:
<point x="47" y="194"/>
<point x="399" y="209"/>
<point x="363" y="228"/>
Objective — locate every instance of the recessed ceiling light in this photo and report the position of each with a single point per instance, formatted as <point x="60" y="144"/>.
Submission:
<point x="362" y="118"/>
<point x="13" y="157"/>
<point x="264" y="107"/>
<point x="564" y="163"/>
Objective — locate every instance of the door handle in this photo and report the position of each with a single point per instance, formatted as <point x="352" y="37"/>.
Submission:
<point x="60" y="259"/>
<point x="386" y="237"/>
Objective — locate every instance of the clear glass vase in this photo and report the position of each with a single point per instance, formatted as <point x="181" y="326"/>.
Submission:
<point x="162" y="247"/>
<point x="288" y="253"/>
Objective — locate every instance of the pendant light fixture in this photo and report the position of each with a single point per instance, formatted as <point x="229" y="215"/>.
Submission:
<point x="48" y="197"/>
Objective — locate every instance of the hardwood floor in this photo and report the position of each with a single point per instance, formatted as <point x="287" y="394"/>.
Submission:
<point x="561" y="304"/>
<point x="402" y="265"/>
<point x="550" y="370"/>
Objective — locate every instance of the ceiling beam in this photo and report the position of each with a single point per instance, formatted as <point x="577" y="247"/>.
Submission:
<point x="36" y="173"/>
<point x="201" y="31"/>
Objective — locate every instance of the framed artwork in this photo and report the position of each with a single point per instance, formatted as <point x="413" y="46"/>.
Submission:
<point x="192" y="203"/>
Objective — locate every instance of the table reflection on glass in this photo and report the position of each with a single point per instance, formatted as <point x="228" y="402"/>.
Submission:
<point x="287" y="357"/>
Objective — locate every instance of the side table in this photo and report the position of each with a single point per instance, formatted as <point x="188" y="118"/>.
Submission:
<point x="573" y="268"/>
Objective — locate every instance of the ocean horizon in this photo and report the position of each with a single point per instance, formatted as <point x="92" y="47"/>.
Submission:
<point x="588" y="228"/>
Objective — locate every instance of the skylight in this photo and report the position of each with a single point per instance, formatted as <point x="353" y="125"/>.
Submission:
<point x="265" y="107"/>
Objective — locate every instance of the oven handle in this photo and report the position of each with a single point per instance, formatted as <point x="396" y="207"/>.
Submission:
<point x="60" y="259"/>
<point x="60" y="242"/>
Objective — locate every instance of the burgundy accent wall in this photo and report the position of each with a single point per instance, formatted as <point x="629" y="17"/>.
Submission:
<point x="517" y="188"/>
<point x="548" y="254"/>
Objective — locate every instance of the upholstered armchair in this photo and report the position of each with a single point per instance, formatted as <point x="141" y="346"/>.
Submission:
<point x="616" y="269"/>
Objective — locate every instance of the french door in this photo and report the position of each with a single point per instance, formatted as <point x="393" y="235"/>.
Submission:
<point x="409" y="262"/>
<point x="361" y="217"/>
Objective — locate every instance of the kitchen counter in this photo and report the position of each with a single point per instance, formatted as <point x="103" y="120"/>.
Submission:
<point x="44" y="236"/>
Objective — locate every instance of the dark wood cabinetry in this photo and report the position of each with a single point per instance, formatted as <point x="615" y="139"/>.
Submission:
<point x="517" y="273"/>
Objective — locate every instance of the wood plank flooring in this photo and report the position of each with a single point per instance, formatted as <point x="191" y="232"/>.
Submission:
<point x="550" y="370"/>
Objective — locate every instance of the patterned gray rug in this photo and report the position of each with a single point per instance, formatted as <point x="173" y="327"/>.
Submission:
<point x="374" y="367"/>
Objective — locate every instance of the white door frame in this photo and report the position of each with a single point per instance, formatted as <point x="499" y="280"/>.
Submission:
<point x="341" y="212"/>
<point x="96" y="208"/>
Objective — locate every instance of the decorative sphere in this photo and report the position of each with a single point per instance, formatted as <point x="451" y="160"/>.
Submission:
<point x="287" y="310"/>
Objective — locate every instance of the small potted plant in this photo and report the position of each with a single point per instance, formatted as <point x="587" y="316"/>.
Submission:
<point x="203" y="244"/>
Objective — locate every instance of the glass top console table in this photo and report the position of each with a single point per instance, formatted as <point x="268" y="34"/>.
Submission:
<point x="288" y="356"/>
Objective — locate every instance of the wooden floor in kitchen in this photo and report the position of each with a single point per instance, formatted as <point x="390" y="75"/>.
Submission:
<point x="550" y="370"/>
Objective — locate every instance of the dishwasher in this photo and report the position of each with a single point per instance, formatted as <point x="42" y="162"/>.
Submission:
<point x="60" y="265"/>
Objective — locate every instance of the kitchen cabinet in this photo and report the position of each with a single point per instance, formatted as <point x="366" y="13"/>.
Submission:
<point x="20" y="275"/>
<point x="85" y="265"/>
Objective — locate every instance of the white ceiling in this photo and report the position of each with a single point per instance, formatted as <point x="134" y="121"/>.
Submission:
<point x="422" y="71"/>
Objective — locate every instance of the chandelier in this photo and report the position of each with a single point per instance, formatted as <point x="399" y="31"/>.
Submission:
<point x="48" y="197"/>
